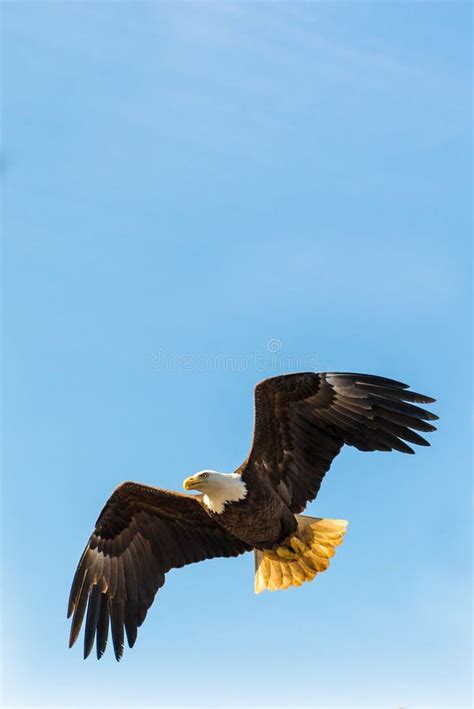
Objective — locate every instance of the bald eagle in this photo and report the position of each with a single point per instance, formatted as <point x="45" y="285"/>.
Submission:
<point x="301" y="423"/>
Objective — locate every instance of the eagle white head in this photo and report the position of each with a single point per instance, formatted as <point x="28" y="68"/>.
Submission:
<point x="218" y="488"/>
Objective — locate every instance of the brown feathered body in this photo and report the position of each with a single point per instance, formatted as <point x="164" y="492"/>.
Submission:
<point x="262" y="520"/>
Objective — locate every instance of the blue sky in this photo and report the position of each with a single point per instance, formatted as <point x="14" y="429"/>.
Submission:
<point x="196" y="196"/>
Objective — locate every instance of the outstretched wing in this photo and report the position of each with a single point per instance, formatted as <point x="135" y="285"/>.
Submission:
<point x="142" y="532"/>
<point x="303" y="420"/>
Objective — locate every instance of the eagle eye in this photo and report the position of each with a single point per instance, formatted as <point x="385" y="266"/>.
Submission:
<point x="203" y="476"/>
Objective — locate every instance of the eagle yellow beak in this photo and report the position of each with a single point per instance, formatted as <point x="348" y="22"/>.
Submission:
<point x="190" y="483"/>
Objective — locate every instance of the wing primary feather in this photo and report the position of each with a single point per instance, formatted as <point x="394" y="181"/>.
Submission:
<point x="402" y="447"/>
<point x="131" y="612"/>
<point x="401" y="432"/>
<point x="356" y="378"/>
<point x="406" y="421"/>
<point x="131" y="626"/>
<point x="102" y="625"/>
<point x="92" y="618"/>
<point x="403" y="408"/>
<point x="77" y="582"/>
<point x="117" y="623"/>
<point x="79" y="609"/>
<point x="392" y="442"/>
<point x="393" y="393"/>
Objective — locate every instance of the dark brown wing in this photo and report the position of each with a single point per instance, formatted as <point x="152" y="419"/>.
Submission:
<point x="141" y="533"/>
<point x="303" y="420"/>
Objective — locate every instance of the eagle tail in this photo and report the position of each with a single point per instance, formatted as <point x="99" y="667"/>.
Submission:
<point x="309" y="552"/>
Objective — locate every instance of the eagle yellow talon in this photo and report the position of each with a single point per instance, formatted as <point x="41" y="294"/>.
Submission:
<point x="291" y="551"/>
<point x="286" y="553"/>
<point x="297" y="545"/>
